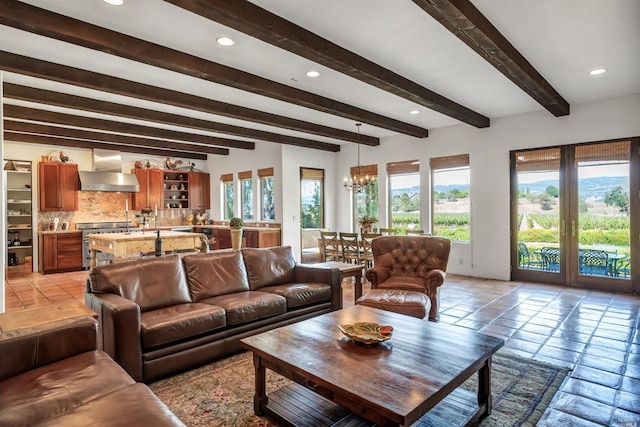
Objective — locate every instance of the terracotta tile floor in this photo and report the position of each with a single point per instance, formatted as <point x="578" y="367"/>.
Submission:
<point x="597" y="334"/>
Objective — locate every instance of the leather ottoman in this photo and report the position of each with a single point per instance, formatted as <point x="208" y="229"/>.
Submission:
<point x="410" y="303"/>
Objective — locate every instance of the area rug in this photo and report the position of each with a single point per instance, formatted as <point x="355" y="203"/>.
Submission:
<point x="221" y="393"/>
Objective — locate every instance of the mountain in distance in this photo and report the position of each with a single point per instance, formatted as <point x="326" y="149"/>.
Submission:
<point x="588" y="188"/>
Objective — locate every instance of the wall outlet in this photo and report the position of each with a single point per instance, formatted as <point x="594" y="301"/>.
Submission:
<point x="460" y="261"/>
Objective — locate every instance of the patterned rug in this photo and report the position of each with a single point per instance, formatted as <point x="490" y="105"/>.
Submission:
<point x="221" y="393"/>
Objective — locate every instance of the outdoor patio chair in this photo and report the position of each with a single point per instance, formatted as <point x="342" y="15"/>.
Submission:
<point x="526" y="259"/>
<point x="550" y="258"/>
<point x="593" y="261"/>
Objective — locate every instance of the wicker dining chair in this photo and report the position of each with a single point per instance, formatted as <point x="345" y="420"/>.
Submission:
<point x="330" y="246"/>
<point x="350" y="244"/>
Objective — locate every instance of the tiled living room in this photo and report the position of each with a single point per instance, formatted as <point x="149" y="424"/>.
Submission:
<point x="595" y="334"/>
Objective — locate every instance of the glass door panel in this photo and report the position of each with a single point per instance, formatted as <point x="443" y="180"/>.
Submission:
<point x="601" y="233"/>
<point x="538" y="204"/>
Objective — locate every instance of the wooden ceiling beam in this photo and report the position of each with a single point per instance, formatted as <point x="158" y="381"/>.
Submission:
<point x="26" y="113"/>
<point x="101" y="82"/>
<point x="75" y="102"/>
<point x="65" y="142"/>
<point x="88" y="135"/>
<point x="49" y="24"/>
<point x="257" y="22"/>
<point x="467" y="23"/>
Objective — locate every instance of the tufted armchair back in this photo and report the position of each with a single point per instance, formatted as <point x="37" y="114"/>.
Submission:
<point x="414" y="263"/>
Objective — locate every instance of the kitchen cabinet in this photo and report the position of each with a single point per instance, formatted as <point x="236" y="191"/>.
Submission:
<point x="59" y="252"/>
<point x="19" y="210"/>
<point x="199" y="190"/>
<point x="151" y="193"/>
<point x="58" y="184"/>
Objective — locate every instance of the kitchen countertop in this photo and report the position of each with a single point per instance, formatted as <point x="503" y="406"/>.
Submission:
<point x="244" y="228"/>
<point x="59" y="231"/>
<point x="149" y="234"/>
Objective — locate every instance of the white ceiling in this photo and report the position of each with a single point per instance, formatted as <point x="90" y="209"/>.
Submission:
<point x="562" y="39"/>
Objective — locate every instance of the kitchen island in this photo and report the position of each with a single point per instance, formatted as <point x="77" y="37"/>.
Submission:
<point x="120" y="245"/>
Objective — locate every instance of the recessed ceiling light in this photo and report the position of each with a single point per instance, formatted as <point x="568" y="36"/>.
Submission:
<point x="114" y="2"/>
<point x="414" y="112"/>
<point x="225" y="41"/>
<point x="312" y="73"/>
<point x="598" y="71"/>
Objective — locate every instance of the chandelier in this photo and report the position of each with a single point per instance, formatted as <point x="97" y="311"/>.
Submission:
<point x="358" y="182"/>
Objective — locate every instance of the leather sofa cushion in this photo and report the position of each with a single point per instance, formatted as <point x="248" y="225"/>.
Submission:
<point x="214" y="274"/>
<point x="170" y="324"/>
<point x="134" y="405"/>
<point x="269" y="266"/>
<point x="301" y="294"/>
<point x="243" y="307"/>
<point x="410" y="303"/>
<point x="410" y="283"/>
<point x="51" y="390"/>
<point x="151" y="283"/>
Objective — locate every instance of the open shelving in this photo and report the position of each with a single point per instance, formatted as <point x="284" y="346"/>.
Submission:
<point x="19" y="211"/>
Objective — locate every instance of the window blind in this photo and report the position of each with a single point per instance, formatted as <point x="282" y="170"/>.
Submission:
<point x="405" y="167"/>
<point x="449" y="162"/>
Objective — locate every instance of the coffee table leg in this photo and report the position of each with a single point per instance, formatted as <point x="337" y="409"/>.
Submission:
<point x="484" y="388"/>
<point x="260" y="399"/>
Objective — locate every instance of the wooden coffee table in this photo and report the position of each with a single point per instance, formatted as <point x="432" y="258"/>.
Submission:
<point x="413" y="376"/>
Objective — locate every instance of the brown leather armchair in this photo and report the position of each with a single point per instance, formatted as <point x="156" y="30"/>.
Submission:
<point x="410" y="263"/>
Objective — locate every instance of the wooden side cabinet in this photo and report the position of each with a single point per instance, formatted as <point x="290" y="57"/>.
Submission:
<point x="151" y="192"/>
<point x="199" y="190"/>
<point x="59" y="184"/>
<point x="59" y="252"/>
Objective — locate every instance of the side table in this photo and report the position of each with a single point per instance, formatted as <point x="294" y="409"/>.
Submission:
<point x="346" y="270"/>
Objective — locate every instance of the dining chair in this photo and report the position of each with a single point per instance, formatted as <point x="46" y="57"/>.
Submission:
<point x="387" y="231"/>
<point x="330" y="246"/>
<point x="415" y="232"/>
<point x="367" y="254"/>
<point x="350" y="245"/>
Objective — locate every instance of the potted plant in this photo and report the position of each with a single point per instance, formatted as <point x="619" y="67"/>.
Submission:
<point x="366" y="223"/>
<point x="236" y="232"/>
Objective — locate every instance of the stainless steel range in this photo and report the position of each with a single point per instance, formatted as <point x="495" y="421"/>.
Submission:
<point x="99" y="228"/>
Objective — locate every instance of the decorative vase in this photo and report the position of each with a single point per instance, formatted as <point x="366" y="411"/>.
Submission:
<point x="236" y="238"/>
<point x="367" y="228"/>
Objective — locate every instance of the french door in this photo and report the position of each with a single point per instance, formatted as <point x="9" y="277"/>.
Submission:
<point x="574" y="210"/>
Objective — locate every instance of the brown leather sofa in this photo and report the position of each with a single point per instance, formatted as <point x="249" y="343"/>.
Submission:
<point x="158" y="316"/>
<point x="406" y="269"/>
<point x="52" y="375"/>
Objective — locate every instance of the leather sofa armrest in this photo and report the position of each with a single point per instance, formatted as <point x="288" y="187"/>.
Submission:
<point x="119" y="331"/>
<point x="29" y="348"/>
<point x="331" y="276"/>
<point x="377" y="275"/>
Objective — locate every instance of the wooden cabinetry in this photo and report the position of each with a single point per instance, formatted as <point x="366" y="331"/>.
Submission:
<point x="59" y="252"/>
<point x="170" y="189"/>
<point x="151" y="193"/>
<point x="58" y="183"/>
<point x="199" y="190"/>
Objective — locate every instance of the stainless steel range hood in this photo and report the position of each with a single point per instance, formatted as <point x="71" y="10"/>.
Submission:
<point x="107" y="174"/>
